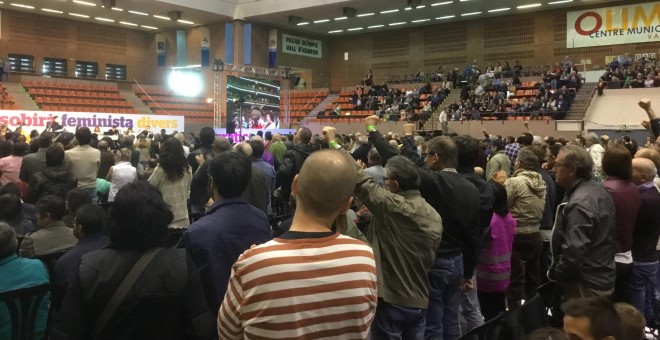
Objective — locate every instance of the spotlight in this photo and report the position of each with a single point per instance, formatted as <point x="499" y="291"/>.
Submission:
<point x="185" y="82"/>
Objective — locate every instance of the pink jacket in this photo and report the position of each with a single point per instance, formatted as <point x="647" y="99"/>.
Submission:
<point x="494" y="266"/>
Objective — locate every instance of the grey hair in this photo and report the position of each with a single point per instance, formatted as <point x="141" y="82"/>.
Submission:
<point x="103" y="145"/>
<point x="374" y="156"/>
<point x="362" y="139"/>
<point x="243" y="148"/>
<point x="537" y="140"/>
<point x="446" y="150"/>
<point x="528" y="160"/>
<point x="578" y="158"/>
<point x="404" y="171"/>
<point x="593" y="137"/>
<point x="179" y="136"/>
<point x="8" y="243"/>
<point x="124" y="154"/>
<point x="221" y="144"/>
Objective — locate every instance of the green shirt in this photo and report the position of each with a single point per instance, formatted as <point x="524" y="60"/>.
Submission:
<point x="277" y="149"/>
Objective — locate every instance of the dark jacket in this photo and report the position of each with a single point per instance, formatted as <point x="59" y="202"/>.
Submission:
<point x="56" y="180"/>
<point x="201" y="151"/>
<point x="583" y="237"/>
<point x="453" y="197"/>
<point x="230" y="227"/>
<point x="550" y="197"/>
<point x="107" y="161"/>
<point x="291" y="163"/>
<point x="166" y="301"/>
<point x="647" y="225"/>
<point x="32" y="164"/>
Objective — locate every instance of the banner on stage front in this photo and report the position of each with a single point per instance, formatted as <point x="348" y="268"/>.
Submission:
<point x="638" y="23"/>
<point x="71" y="120"/>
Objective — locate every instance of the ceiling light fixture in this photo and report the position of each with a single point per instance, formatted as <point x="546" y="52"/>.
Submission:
<point x="336" y="31"/>
<point x="365" y="15"/>
<point x="420" y="20"/>
<point x="161" y="17"/>
<point x="127" y="23"/>
<point x="422" y="6"/>
<point x="528" y="6"/>
<point x="341" y="18"/>
<point x="79" y="15"/>
<point x="376" y="26"/>
<point x="303" y="23"/>
<point x="471" y="13"/>
<point x="185" y="22"/>
<point x="104" y="19"/>
<point x="499" y="10"/>
<point x="442" y="3"/>
<point x="354" y="29"/>
<point x="138" y="13"/>
<point x="559" y="2"/>
<point x="389" y="11"/>
<point x="22" y="6"/>
<point x="445" y="17"/>
<point x="321" y="21"/>
<point x="117" y="9"/>
<point x="51" y="10"/>
<point x="407" y="8"/>
<point x="149" y="27"/>
<point x="398" y="23"/>
<point x="79" y="2"/>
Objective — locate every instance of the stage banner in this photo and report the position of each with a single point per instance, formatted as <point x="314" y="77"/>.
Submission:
<point x="37" y="120"/>
<point x="206" y="46"/>
<point x="248" y="132"/>
<point x="272" y="48"/>
<point x="639" y="23"/>
<point x="301" y="46"/>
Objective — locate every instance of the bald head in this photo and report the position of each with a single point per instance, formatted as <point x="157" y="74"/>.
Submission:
<point x="643" y="171"/>
<point x="651" y="154"/>
<point x="325" y="183"/>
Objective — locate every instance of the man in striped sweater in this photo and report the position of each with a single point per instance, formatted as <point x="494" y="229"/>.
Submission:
<point x="311" y="282"/>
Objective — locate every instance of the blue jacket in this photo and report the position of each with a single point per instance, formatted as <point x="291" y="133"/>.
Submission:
<point x="229" y="228"/>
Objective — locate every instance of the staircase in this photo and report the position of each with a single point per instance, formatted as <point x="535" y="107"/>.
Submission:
<point x="581" y="102"/>
<point x="321" y="107"/>
<point x="21" y="98"/>
<point x="434" y="121"/>
<point x="136" y="102"/>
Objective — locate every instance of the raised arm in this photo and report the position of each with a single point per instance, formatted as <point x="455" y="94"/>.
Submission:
<point x="385" y="149"/>
<point x="653" y="124"/>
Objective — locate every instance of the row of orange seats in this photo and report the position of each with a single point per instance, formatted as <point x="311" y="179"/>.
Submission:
<point x="157" y="91"/>
<point x="322" y="93"/>
<point x="182" y="113"/>
<point x="48" y="107"/>
<point x="73" y="94"/>
<point x="175" y="106"/>
<point x="69" y="86"/>
<point x="83" y="102"/>
<point x="170" y="99"/>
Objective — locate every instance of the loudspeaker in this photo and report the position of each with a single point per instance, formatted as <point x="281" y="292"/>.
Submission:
<point x="108" y="3"/>
<point x="174" y="15"/>
<point x="349" y="12"/>
<point x="294" y="20"/>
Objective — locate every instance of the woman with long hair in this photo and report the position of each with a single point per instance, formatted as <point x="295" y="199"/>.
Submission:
<point x="172" y="178"/>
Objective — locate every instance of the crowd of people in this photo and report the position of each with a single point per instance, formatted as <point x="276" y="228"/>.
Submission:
<point x="370" y="235"/>
<point x="629" y="73"/>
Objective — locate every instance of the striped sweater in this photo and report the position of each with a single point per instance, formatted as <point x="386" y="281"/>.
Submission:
<point x="308" y="288"/>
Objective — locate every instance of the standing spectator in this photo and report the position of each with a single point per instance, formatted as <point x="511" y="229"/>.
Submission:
<point x="165" y="302"/>
<point x="375" y="168"/>
<point x="405" y="236"/>
<point x="10" y="166"/>
<point x="35" y="162"/>
<point x="617" y="166"/>
<point x="596" y="151"/>
<point x="88" y="229"/>
<point x="107" y="159"/>
<point x="83" y="161"/>
<point x="143" y="147"/>
<point x="525" y="193"/>
<point x="229" y="227"/>
<point x="277" y="149"/>
<point x="335" y="264"/>
<point x="20" y="273"/>
<point x="498" y="161"/>
<point x="293" y="160"/>
<point x="494" y="266"/>
<point x="582" y="241"/>
<point x="206" y="138"/>
<point x="645" y="239"/>
<point x="55" y="179"/>
<point x="172" y="178"/>
<point x="121" y="174"/>
<point x="179" y="136"/>
<point x="53" y="235"/>
<point x="266" y="169"/>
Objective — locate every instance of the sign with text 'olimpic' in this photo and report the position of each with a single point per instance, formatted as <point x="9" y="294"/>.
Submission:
<point x="70" y="120"/>
<point x="639" y="23"/>
<point x="301" y="46"/>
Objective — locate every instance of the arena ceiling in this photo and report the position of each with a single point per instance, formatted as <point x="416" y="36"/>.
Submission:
<point x="319" y="17"/>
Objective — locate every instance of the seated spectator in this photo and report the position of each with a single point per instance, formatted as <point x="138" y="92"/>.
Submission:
<point x="88" y="228"/>
<point x="53" y="235"/>
<point x="28" y="219"/>
<point x="55" y="179"/>
<point x="10" y="166"/>
<point x="592" y="318"/>
<point x="17" y="273"/>
<point x="650" y="81"/>
<point x="166" y="302"/>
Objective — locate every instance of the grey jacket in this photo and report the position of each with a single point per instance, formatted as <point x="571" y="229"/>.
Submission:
<point x="499" y="161"/>
<point x="526" y="199"/>
<point x="582" y="243"/>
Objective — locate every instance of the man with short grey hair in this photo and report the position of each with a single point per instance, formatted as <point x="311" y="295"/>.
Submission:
<point x="582" y="240"/>
<point x="596" y="151"/>
<point x="526" y="200"/>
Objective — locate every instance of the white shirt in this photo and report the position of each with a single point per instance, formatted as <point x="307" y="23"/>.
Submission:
<point x="123" y="173"/>
<point x="186" y="150"/>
